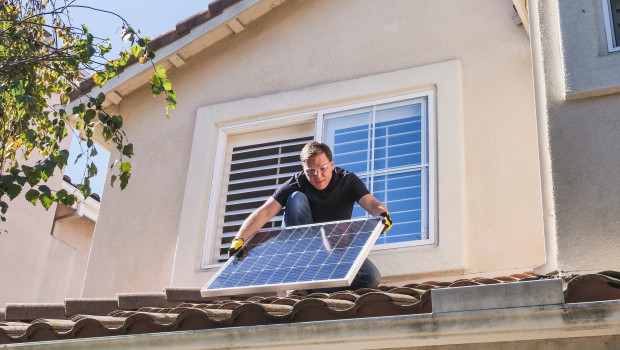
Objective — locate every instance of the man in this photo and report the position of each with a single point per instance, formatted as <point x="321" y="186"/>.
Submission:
<point x="319" y="193"/>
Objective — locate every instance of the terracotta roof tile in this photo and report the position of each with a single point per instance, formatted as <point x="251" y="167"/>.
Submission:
<point x="181" y="29"/>
<point x="179" y="309"/>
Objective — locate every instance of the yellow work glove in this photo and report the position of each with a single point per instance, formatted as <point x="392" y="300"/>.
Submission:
<point x="387" y="221"/>
<point x="235" y="246"/>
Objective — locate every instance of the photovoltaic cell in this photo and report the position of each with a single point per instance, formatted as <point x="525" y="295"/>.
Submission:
<point x="300" y="257"/>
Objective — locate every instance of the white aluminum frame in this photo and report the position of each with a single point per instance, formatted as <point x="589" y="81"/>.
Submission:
<point x="430" y="156"/>
<point x="327" y="283"/>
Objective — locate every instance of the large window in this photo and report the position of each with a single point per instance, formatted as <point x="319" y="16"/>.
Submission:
<point x="386" y="143"/>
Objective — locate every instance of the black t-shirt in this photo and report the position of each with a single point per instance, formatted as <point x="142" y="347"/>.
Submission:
<point x="333" y="203"/>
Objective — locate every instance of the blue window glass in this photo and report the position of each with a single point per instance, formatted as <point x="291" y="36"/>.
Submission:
<point x="386" y="146"/>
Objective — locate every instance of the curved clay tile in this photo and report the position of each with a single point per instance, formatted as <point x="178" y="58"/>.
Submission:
<point x="420" y="286"/>
<point x="252" y="315"/>
<point x="314" y="309"/>
<point x="408" y="291"/>
<point x="506" y="279"/>
<point x="284" y="301"/>
<point x="485" y="280"/>
<point x="344" y="295"/>
<point x="464" y="283"/>
<point x="592" y="287"/>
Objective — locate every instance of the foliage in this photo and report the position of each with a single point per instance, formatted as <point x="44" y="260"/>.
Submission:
<point x="43" y="57"/>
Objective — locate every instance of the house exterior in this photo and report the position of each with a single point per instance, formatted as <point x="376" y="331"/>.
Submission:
<point x="45" y="253"/>
<point x="255" y="74"/>
<point x="492" y="143"/>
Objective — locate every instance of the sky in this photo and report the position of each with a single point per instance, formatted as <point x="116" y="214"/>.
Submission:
<point x="152" y="18"/>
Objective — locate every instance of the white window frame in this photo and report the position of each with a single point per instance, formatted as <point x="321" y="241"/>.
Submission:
<point x="211" y="242"/>
<point x="612" y="45"/>
<point x="430" y="141"/>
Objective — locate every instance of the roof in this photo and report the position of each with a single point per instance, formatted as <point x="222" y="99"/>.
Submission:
<point x="182" y="28"/>
<point x="183" y="309"/>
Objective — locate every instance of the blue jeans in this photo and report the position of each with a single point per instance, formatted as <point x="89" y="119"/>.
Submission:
<point x="297" y="212"/>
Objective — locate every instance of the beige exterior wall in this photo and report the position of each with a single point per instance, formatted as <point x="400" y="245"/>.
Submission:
<point x="307" y="55"/>
<point x="577" y="84"/>
<point x="36" y="265"/>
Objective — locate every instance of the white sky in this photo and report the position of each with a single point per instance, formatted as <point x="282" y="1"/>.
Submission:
<point x="152" y="18"/>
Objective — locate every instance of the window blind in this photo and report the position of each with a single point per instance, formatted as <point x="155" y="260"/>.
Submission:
<point x="256" y="171"/>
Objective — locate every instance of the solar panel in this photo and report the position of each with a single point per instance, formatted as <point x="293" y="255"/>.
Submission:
<point x="299" y="257"/>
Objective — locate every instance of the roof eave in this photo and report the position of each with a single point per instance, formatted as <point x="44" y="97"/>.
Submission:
<point x="190" y="41"/>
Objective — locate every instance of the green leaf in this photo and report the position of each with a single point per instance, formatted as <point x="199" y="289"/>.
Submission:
<point x="33" y="176"/>
<point x="32" y="196"/>
<point x="124" y="179"/>
<point x="13" y="191"/>
<point x="136" y="50"/>
<point x="161" y="71"/>
<point x="78" y="158"/>
<point x="4" y="206"/>
<point x="93" y="152"/>
<point x="124" y="167"/>
<point x="157" y="89"/>
<point x="166" y="84"/>
<point x="100" y="78"/>
<point x="128" y="150"/>
<point x="92" y="170"/>
<point x="155" y="80"/>
<point x="79" y="125"/>
<point x="112" y="180"/>
<point x="89" y="116"/>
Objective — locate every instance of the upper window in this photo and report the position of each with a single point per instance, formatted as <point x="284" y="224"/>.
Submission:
<point x="611" y="9"/>
<point x="386" y="143"/>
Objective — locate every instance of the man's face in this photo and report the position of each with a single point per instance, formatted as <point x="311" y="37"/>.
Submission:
<point x="318" y="170"/>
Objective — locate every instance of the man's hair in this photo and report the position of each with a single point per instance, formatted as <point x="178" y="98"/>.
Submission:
<point x="314" y="148"/>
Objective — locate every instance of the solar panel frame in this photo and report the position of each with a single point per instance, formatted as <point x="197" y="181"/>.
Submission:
<point x="267" y="243"/>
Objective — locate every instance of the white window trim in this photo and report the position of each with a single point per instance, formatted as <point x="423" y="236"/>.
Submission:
<point x="430" y="118"/>
<point x="612" y="46"/>
<point x="215" y="197"/>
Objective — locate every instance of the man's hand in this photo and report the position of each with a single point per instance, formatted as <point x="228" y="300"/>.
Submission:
<point x="235" y="246"/>
<point x="387" y="221"/>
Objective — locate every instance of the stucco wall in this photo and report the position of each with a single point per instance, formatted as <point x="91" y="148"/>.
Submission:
<point x="580" y="80"/>
<point x="304" y="44"/>
<point x="35" y="265"/>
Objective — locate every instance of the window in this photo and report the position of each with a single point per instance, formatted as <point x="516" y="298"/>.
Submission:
<point x="294" y="114"/>
<point x="386" y="143"/>
<point x="611" y="10"/>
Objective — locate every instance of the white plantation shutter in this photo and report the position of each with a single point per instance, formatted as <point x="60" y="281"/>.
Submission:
<point x="256" y="171"/>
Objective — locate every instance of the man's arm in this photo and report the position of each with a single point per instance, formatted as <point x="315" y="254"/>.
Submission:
<point x="258" y="219"/>
<point x="372" y="205"/>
